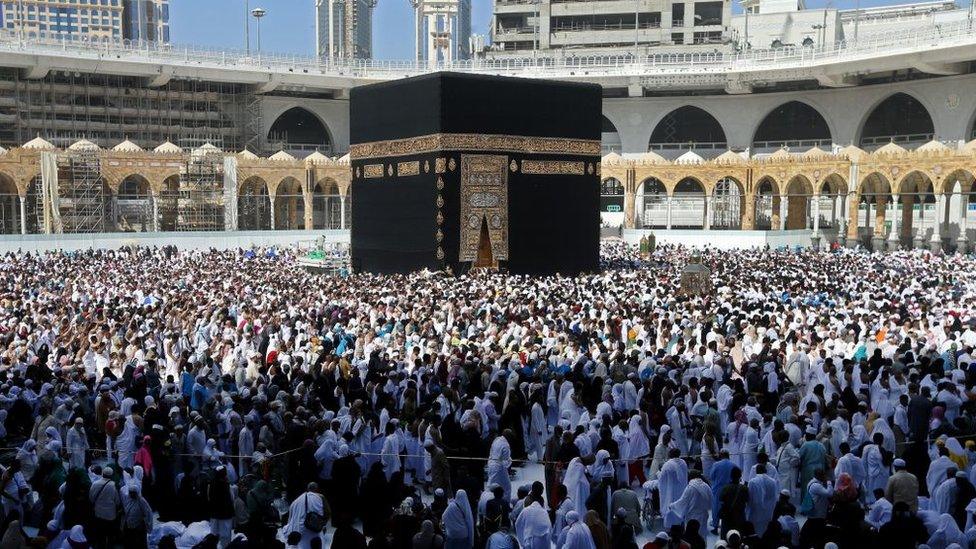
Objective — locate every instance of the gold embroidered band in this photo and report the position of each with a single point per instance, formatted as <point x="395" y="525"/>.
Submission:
<point x="552" y="167"/>
<point x="474" y="142"/>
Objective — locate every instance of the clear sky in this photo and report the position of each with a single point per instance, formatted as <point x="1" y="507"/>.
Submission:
<point x="289" y="26"/>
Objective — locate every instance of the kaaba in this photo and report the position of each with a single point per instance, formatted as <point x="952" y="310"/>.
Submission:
<point x="456" y="171"/>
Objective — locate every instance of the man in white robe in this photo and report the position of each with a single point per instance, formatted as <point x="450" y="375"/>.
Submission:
<point x="307" y="502"/>
<point x="680" y="423"/>
<point x="850" y="464"/>
<point x="77" y="444"/>
<point x="533" y="527"/>
<point x="672" y="481"/>
<point x="694" y="504"/>
<point x="750" y="446"/>
<point x="126" y="442"/>
<point x="538" y="432"/>
<point x="763" y="493"/>
<point x="499" y="461"/>
<point x="944" y="496"/>
<point x="245" y="446"/>
<point x="391" y="452"/>
<point x="788" y="468"/>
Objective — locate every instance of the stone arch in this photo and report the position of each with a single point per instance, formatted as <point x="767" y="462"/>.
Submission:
<point x="300" y="130"/>
<point x="767" y="199"/>
<point x="901" y="117"/>
<point x="832" y="184"/>
<point x="253" y="205"/>
<point x="965" y="177"/>
<point x="960" y="202"/>
<point x="609" y="136"/>
<point x="327" y="208"/>
<point x="136" y="179"/>
<point x="831" y="191"/>
<point x="916" y="182"/>
<point x="688" y="127"/>
<point x="917" y="198"/>
<point x="795" y="124"/>
<point x="652" y="203"/>
<point x="10" y="222"/>
<point x="159" y="181"/>
<point x="874" y="184"/>
<point x="688" y="203"/>
<point x="726" y="204"/>
<point x="799" y="191"/>
<point x="873" y="192"/>
<point x="289" y="205"/>
<point x="132" y="206"/>
<point x="769" y="180"/>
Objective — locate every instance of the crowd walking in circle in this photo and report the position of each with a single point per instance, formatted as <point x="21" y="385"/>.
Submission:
<point x="174" y="398"/>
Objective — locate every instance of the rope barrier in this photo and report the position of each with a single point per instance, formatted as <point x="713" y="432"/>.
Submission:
<point x="622" y="461"/>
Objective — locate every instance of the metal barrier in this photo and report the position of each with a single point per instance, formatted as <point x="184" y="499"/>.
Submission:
<point x="933" y="36"/>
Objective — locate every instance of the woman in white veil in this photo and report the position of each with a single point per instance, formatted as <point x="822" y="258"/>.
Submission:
<point x="458" y="523"/>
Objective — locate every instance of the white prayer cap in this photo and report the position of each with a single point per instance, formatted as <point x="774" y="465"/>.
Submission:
<point x="899" y="463"/>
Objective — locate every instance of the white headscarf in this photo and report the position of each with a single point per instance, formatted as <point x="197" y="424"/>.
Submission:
<point x="458" y="519"/>
<point x="602" y="467"/>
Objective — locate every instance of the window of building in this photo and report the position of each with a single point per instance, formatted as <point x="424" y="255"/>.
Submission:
<point x="678" y="38"/>
<point x="708" y="13"/>
<point x="711" y="37"/>
<point x="611" y="195"/>
<point x="677" y="15"/>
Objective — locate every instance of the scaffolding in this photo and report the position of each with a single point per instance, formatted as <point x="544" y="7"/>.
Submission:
<point x="252" y="122"/>
<point x="82" y="199"/>
<point x="200" y="201"/>
<point x="108" y="109"/>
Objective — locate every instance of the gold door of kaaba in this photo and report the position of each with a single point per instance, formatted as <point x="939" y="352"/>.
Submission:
<point x="486" y="259"/>
<point x="484" y="209"/>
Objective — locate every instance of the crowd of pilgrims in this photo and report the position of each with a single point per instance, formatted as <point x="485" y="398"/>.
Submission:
<point x="158" y="397"/>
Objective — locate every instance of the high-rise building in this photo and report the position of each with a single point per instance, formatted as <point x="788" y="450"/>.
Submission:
<point x="443" y="30"/>
<point x="96" y="19"/>
<point x="146" y="20"/>
<point x="585" y="27"/>
<point x="344" y="28"/>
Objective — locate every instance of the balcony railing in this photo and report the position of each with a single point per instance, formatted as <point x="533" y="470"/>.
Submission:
<point x="605" y="26"/>
<point x="909" y="138"/>
<point x="896" y="42"/>
<point x="689" y="145"/>
<point x="794" y="144"/>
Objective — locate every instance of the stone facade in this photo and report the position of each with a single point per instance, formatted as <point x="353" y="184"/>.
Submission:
<point x="851" y="177"/>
